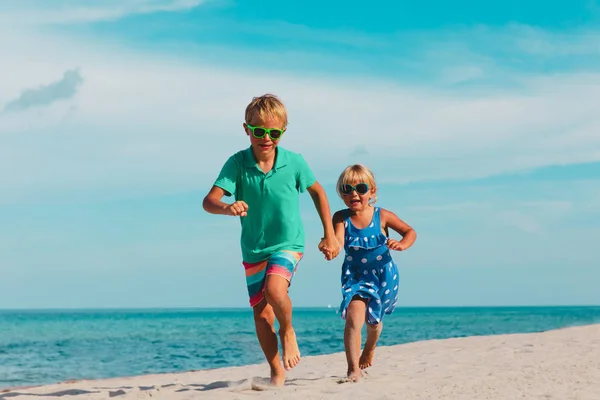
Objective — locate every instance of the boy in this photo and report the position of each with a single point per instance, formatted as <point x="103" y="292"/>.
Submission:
<point x="266" y="181"/>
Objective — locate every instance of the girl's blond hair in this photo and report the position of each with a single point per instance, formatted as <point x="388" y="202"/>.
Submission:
<point x="267" y="106"/>
<point x="357" y="173"/>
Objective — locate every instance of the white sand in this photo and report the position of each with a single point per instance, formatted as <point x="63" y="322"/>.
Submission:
<point x="561" y="364"/>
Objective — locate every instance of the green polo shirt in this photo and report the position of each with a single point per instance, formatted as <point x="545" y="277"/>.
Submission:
<point x="273" y="221"/>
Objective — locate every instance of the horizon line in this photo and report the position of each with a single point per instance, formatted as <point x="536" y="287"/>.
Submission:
<point x="240" y="308"/>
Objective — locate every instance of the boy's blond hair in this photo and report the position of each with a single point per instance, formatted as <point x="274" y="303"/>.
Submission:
<point x="267" y="106"/>
<point x="357" y="173"/>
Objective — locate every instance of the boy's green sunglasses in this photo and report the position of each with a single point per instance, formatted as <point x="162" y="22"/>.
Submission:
<point x="260" y="132"/>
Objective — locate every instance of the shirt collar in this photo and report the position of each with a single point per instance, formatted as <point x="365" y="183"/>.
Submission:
<point x="281" y="158"/>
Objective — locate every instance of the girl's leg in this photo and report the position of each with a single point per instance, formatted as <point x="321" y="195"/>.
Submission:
<point x="373" y="332"/>
<point x="355" y="319"/>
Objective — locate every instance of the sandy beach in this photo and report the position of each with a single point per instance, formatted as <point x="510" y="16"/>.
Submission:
<point x="560" y="364"/>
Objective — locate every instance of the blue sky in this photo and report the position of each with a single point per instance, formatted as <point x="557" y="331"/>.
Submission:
<point x="480" y="121"/>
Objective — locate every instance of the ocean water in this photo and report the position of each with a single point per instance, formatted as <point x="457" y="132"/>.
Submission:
<point x="40" y="347"/>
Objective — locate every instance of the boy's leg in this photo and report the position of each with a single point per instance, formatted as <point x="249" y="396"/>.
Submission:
<point x="373" y="332"/>
<point x="280" y="271"/>
<point x="276" y="294"/>
<point x="264" y="320"/>
<point x="355" y="319"/>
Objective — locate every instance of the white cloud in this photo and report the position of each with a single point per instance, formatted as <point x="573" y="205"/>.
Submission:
<point x="515" y="40"/>
<point x="150" y="122"/>
<point x="539" y="217"/>
<point x="75" y="11"/>
<point x="536" y="41"/>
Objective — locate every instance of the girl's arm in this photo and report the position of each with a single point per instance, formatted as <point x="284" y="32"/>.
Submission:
<point x="391" y="220"/>
<point x="338" y="227"/>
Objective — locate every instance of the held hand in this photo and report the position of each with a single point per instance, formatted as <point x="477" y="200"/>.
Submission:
<point x="326" y="252"/>
<point x="239" y="208"/>
<point x="395" y="245"/>
<point x="330" y="247"/>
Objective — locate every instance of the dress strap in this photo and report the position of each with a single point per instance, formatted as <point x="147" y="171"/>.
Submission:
<point x="377" y="217"/>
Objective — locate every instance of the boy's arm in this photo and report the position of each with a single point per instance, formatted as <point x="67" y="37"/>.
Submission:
<point x="212" y="203"/>
<point x="225" y="185"/>
<point x="391" y="220"/>
<point x="329" y="244"/>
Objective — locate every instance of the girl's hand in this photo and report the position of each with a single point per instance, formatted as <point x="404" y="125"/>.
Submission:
<point x="330" y="247"/>
<point x="391" y="220"/>
<point x="395" y="245"/>
<point x="239" y="208"/>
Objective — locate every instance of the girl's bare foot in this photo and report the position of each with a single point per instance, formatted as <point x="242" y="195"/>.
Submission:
<point x="366" y="358"/>
<point x="354" y="375"/>
<point x="291" y="352"/>
<point x="277" y="378"/>
<point x="373" y="332"/>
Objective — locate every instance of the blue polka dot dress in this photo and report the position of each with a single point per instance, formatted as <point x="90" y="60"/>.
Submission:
<point x="369" y="270"/>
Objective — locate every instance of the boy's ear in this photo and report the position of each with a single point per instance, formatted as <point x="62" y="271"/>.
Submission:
<point x="246" y="128"/>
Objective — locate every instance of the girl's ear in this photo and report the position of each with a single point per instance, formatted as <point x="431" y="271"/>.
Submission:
<point x="373" y="198"/>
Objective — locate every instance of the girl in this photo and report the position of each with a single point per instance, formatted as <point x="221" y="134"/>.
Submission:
<point x="369" y="274"/>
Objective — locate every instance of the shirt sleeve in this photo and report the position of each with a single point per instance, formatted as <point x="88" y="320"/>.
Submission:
<point x="306" y="178"/>
<point x="228" y="177"/>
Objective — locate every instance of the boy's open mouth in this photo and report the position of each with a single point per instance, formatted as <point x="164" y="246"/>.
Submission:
<point x="354" y="202"/>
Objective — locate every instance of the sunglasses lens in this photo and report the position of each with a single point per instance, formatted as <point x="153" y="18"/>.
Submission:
<point x="362" y="188"/>
<point x="259" y="132"/>
<point x="346" y="189"/>
<point x="275" y="133"/>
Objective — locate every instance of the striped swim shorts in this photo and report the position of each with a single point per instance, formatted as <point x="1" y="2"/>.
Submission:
<point x="282" y="263"/>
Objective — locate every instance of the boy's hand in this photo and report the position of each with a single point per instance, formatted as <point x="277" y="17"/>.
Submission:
<point x="395" y="245"/>
<point x="330" y="247"/>
<point x="239" y="208"/>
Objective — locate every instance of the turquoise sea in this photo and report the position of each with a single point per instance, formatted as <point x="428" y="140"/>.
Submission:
<point x="40" y="347"/>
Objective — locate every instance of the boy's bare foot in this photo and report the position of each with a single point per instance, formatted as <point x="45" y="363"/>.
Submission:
<point x="277" y="378"/>
<point x="291" y="352"/>
<point x="354" y="375"/>
<point x="366" y="358"/>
